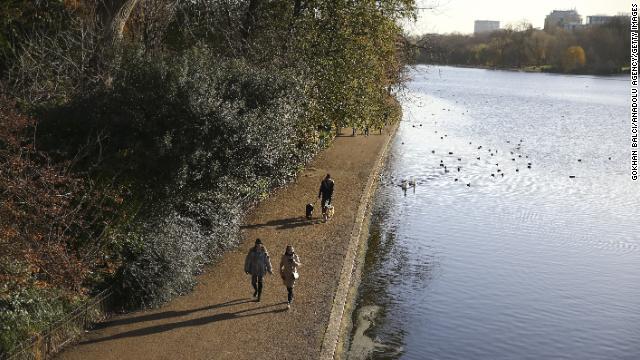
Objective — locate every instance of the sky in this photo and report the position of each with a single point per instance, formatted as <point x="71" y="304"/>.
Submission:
<point x="449" y="16"/>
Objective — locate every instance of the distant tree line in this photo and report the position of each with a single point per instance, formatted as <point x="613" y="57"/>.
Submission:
<point x="598" y="49"/>
<point x="135" y="133"/>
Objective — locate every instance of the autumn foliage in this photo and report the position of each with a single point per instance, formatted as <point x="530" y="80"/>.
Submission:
<point x="47" y="213"/>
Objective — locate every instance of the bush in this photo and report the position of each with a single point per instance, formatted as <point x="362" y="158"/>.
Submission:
<point x="199" y="139"/>
<point x="28" y="312"/>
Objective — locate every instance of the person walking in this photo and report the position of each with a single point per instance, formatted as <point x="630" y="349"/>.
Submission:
<point x="289" y="271"/>
<point x="326" y="192"/>
<point x="258" y="264"/>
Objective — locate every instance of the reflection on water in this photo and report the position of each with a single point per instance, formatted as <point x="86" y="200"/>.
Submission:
<point x="520" y="237"/>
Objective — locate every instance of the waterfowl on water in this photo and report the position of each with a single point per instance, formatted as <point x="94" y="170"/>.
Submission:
<point x="469" y="185"/>
<point x="478" y="158"/>
<point x="450" y="153"/>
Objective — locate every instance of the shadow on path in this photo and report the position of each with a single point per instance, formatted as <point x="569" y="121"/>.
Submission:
<point x="165" y="314"/>
<point x="283" y="224"/>
<point x="192" y="322"/>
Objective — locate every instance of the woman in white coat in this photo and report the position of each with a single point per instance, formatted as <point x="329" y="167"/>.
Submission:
<point x="289" y="271"/>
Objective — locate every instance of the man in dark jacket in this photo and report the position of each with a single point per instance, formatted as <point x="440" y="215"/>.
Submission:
<point x="258" y="264"/>
<point x="326" y="192"/>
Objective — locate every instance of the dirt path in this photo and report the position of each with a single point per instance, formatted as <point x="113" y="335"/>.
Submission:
<point x="219" y="319"/>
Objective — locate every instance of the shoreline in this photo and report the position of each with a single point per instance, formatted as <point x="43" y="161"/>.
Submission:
<point x="218" y="319"/>
<point x="527" y="69"/>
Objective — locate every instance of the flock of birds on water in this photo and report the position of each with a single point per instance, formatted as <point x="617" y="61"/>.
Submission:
<point x="515" y="154"/>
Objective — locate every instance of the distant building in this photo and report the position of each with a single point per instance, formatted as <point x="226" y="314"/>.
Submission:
<point x="598" y="19"/>
<point x="566" y="19"/>
<point x="484" y="26"/>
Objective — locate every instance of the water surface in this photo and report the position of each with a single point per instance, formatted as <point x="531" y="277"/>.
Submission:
<point x="539" y="262"/>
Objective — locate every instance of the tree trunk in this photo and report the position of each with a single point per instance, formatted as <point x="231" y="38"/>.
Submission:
<point x="119" y="12"/>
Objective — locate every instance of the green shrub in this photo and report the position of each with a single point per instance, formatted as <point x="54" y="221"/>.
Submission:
<point x="200" y="138"/>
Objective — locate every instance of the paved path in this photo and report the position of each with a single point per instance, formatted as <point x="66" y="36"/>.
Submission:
<point x="219" y="319"/>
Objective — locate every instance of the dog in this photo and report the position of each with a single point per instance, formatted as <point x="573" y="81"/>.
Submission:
<point x="328" y="212"/>
<point x="309" y="211"/>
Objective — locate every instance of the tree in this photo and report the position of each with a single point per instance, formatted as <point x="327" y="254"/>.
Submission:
<point x="573" y="59"/>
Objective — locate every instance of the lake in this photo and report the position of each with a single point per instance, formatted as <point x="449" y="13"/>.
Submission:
<point x="520" y="238"/>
